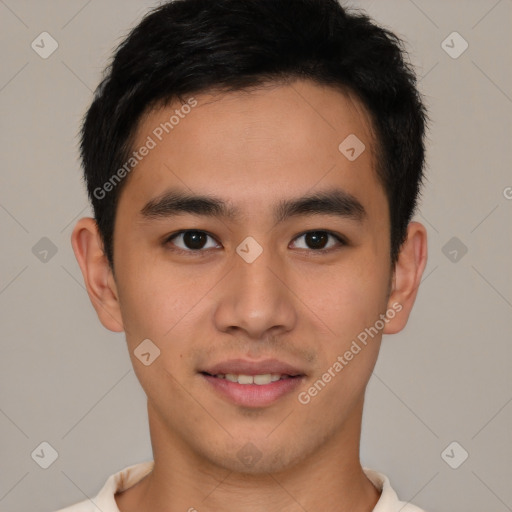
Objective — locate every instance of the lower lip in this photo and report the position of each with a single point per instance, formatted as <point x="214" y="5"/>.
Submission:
<point x="253" y="395"/>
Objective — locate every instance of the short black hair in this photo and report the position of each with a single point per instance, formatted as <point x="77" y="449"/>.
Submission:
<point x="186" y="47"/>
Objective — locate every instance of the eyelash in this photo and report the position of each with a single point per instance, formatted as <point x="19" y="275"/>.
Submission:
<point x="201" y="252"/>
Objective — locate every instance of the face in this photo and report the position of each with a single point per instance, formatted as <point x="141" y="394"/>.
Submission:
<point x="248" y="244"/>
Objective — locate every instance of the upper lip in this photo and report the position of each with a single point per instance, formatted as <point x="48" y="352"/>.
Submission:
<point x="244" y="367"/>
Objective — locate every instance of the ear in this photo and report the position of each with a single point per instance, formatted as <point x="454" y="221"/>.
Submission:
<point x="98" y="276"/>
<point x="407" y="277"/>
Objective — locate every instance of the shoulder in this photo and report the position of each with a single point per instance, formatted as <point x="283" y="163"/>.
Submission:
<point x="118" y="482"/>
<point x="389" y="501"/>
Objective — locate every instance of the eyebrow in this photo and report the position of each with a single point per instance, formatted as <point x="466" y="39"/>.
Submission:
<point x="327" y="202"/>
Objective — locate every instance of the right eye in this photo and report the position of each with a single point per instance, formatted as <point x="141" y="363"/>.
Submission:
<point x="192" y="241"/>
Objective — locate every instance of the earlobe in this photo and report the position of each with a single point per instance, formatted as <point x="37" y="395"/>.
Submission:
<point x="97" y="274"/>
<point x="407" y="277"/>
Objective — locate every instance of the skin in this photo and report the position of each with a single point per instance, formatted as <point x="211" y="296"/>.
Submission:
<point x="253" y="149"/>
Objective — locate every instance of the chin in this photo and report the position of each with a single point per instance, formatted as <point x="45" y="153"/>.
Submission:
<point x="260" y="456"/>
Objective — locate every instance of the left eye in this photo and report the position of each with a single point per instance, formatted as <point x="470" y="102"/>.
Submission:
<point x="317" y="240"/>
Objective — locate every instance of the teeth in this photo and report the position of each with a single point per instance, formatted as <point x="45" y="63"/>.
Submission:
<point x="246" y="379"/>
<point x="260" y="380"/>
<point x="263" y="379"/>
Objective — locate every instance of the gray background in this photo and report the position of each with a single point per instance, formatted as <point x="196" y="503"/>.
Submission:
<point x="67" y="381"/>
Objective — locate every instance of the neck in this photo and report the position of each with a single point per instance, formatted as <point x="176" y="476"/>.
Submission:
<point x="330" y="479"/>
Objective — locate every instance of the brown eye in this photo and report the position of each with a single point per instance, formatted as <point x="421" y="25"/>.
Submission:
<point x="318" y="240"/>
<point x="191" y="241"/>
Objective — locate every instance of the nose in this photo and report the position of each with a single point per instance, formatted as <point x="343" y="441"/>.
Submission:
<point x="256" y="298"/>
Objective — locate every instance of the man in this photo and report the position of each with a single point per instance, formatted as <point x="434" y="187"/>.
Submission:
<point x="254" y="166"/>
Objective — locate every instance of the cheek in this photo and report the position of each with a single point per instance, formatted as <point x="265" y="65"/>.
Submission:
<point x="154" y="310"/>
<point x="164" y="304"/>
<point x="150" y="301"/>
<point x="349" y="298"/>
<point x="350" y="306"/>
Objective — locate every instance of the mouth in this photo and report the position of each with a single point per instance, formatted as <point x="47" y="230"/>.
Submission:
<point x="253" y="384"/>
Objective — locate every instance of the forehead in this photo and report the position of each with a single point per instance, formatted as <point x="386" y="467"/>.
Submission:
<point x="257" y="143"/>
